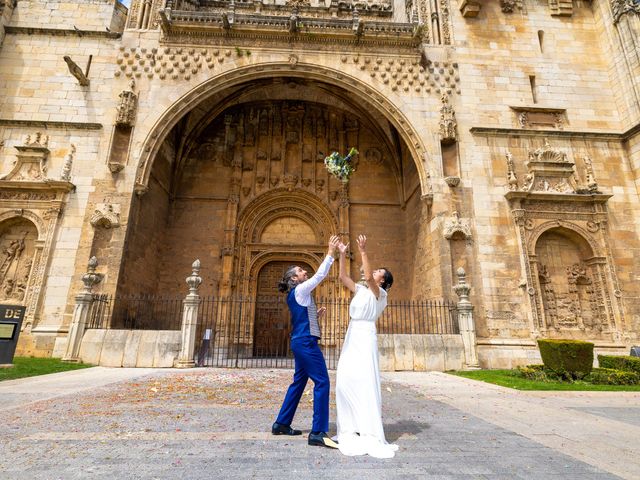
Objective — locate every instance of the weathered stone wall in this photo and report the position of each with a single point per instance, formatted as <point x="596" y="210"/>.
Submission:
<point x="513" y="80"/>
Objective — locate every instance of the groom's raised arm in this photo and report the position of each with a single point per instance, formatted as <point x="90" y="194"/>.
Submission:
<point x="303" y="290"/>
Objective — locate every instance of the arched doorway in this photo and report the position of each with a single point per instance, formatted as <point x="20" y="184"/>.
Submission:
<point x="272" y="324"/>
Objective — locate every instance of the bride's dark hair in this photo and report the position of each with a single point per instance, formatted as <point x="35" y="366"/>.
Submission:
<point x="387" y="279"/>
<point x="287" y="282"/>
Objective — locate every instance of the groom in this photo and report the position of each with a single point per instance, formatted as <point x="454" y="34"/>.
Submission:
<point x="309" y="361"/>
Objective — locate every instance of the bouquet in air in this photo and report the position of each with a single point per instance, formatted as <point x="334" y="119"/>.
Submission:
<point x="339" y="166"/>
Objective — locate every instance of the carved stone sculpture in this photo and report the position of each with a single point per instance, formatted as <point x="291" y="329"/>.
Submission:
<point x="127" y="107"/>
<point x="448" y="124"/>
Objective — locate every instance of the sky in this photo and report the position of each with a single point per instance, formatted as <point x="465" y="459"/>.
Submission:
<point x="126" y="2"/>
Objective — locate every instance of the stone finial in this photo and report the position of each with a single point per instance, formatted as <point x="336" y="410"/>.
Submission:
<point x="68" y="161"/>
<point x="91" y="278"/>
<point x="462" y="289"/>
<point x="194" y="280"/>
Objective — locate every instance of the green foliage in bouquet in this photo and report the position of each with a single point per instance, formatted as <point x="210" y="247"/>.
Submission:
<point x="339" y="166"/>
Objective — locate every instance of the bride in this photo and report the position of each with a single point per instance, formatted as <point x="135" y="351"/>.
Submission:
<point x="358" y="399"/>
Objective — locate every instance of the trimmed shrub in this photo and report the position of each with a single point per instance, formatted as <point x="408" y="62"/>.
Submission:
<point x="610" y="376"/>
<point x="623" y="362"/>
<point x="533" y="372"/>
<point x="570" y="359"/>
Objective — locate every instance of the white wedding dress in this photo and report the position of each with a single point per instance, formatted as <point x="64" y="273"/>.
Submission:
<point x="358" y="399"/>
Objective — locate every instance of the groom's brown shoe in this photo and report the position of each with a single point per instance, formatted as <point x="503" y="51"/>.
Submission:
<point x="280" y="429"/>
<point x="321" y="439"/>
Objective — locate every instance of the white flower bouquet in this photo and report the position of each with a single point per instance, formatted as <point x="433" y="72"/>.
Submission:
<point x="339" y="166"/>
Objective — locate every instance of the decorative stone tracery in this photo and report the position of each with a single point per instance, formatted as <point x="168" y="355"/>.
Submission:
<point x="27" y="234"/>
<point x="562" y="230"/>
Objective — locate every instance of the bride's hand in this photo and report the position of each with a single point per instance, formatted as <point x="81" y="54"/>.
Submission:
<point x="342" y="248"/>
<point x="362" y="243"/>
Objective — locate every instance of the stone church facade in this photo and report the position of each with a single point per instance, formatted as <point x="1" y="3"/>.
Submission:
<point x="501" y="136"/>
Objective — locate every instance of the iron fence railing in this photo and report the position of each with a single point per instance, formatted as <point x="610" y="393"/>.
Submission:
<point x="254" y="331"/>
<point x="136" y="312"/>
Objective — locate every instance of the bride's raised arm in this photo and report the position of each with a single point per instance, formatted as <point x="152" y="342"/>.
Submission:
<point x="344" y="278"/>
<point x="368" y="274"/>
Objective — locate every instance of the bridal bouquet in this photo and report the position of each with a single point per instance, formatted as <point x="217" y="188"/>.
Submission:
<point x="341" y="167"/>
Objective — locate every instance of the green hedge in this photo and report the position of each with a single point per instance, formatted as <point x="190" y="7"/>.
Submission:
<point x="537" y="372"/>
<point x="610" y="376"/>
<point x="570" y="359"/>
<point x="625" y="363"/>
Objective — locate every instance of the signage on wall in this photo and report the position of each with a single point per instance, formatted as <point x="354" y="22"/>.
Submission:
<point x="11" y="317"/>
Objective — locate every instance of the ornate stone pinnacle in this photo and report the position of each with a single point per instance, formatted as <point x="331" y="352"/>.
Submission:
<point x="194" y="280"/>
<point x="91" y="278"/>
<point x="462" y="289"/>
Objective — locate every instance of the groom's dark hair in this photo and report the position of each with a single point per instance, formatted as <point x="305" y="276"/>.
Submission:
<point x="287" y="282"/>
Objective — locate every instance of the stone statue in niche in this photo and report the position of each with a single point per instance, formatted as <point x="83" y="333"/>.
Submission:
<point x="127" y="107"/>
<point x="448" y="124"/>
<point x="512" y="179"/>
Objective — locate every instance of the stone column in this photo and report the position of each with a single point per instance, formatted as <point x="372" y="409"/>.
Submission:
<point x="465" y="320"/>
<point x="84" y="299"/>
<point x="190" y="319"/>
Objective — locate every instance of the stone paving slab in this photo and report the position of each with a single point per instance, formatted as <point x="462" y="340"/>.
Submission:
<point x="213" y="423"/>
<point x="579" y="424"/>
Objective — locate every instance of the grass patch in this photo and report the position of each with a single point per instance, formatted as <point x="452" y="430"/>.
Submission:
<point x="512" y="379"/>
<point x="31" y="367"/>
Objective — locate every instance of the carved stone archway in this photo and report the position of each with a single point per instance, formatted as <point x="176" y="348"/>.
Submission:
<point x="253" y="253"/>
<point x="359" y="91"/>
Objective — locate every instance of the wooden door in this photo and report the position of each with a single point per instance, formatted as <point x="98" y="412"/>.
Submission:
<point x="272" y="324"/>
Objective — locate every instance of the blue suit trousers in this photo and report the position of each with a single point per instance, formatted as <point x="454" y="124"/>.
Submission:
<point x="309" y="363"/>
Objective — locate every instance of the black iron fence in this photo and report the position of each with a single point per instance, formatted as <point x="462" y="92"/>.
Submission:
<point x="250" y="332"/>
<point x="254" y="332"/>
<point x="136" y="312"/>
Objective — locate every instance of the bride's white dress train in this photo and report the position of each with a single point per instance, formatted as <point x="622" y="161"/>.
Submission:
<point x="358" y="398"/>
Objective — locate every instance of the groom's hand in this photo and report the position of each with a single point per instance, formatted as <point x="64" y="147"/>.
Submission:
<point x="321" y="312"/>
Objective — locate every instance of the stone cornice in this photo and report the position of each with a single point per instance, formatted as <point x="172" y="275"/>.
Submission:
<point x="504" y="132"/>
<point x="557" y="196"/>
<point x="9" y="122"/>
<point x="521" y="132"/>
<point x="632" y="132"/>
<point x="61" y="32"/>
<point x="292" y="29"/>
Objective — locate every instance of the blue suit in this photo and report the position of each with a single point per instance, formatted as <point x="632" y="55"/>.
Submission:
<point x="309" y="361"/>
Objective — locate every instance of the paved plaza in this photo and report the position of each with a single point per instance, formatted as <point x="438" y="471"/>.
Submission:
<point x="104" y="423"/>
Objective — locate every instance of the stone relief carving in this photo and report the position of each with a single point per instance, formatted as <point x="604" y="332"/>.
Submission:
<point x="31" y="162"/>
<point x="127" y="106"/>
<point x="448" y="124"/>
<point x="572" y="295"/>
<point x="507" y="6"/>
<point x="454" y="225"/>
<point x="624" y="7"/>
<point x="16" y="257"/>
<point x="106" y="215"/>
<point x="549" y="170"/>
